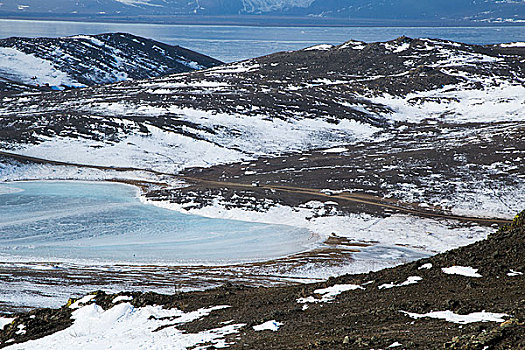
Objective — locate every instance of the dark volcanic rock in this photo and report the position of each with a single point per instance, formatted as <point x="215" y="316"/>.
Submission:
<point x="35" y="324"/>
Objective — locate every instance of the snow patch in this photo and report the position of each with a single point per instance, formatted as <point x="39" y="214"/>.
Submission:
<point x="322" y="47"/>
<point x="329" y="294"/>
<point x="84" y="300"/>
<point x="427" y="266"/>
<point x="242" y="67"/>
<point x="397" y="48"/>
<point x="127" y="327"/>
<point x="461" y="270"/>
<point x="462" y="319"/>
<point x="515" y="44"/>
<point x="335" y="150"/>
<point x="122" y="298"/>
<point x="21" y="329"/>
<point x="89" y="38"/>
<point x="272" y="325"/>
<point x="5" y="321"/>
<point x="354" y="45"/>
<point x="410" y="280"/>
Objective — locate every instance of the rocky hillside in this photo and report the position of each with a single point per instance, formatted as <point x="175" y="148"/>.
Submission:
<point x="29" y="64"/>
<point x="468" y="298"/>
<point x="425" y="107"/>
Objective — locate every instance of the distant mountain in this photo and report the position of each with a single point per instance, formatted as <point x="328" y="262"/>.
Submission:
<point x="42" y="63"/>
<point x="240" y="10"/>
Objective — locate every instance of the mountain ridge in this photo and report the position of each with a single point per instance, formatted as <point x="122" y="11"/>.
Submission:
<point x="34" y="64"/>
<point x="466" y="11"/>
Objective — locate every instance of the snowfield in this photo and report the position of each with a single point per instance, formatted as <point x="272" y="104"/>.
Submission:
<point x="237" y="138"/>
<point x="22" y="67"/>
<point x="462" y="105"/>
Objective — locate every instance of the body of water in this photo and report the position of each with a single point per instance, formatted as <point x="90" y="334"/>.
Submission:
<point x="233" y="43"/>
<point x="57" y="221"/>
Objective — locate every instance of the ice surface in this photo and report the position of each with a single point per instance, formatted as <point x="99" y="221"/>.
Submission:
<point x="137" y="2"/>
<point x="64" y="221"/>
<point x="9" y="190"/>
<point x="390" y="234"/>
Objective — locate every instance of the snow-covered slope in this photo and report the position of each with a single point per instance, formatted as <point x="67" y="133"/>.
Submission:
<point x="83" y="60"/>
<point x="290" y="101"/>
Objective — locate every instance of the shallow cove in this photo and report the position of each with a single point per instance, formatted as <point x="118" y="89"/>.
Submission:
<point x="62" y="221"/>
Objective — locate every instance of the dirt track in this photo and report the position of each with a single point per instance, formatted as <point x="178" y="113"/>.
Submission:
<point x="375" y="201"/>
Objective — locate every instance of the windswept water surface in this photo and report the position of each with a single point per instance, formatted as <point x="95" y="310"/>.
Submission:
<point x="232" y="43"/>
<point x="74" y="221"/>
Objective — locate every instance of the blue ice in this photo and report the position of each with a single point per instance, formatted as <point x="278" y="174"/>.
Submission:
<point x="106" y="222"/>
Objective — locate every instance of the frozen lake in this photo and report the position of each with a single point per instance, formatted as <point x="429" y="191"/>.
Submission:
<point x="82" y="221"/>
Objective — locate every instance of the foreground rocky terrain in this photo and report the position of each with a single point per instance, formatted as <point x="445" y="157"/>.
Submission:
<point x="34" y="64"/>
<point x="467" y="298"/>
